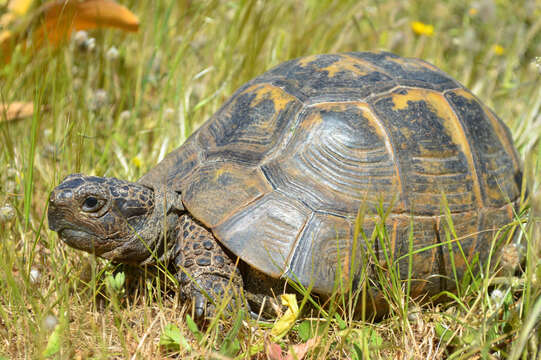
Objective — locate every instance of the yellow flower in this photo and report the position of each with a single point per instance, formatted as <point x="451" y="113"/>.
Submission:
<point x="422" y="29"/>
<point x="472" y="11"/>
<point x="19" y="7"/>
<point x="136" y="161"/>
<point x="497" y="49"/>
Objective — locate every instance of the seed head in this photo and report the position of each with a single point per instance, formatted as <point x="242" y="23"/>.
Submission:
<point x="7" y="214"/>
<point x="511" y="257"/>
<point x="98" y="99"/>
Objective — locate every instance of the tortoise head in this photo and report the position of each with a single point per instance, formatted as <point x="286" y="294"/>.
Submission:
<point x="115" y="219"/>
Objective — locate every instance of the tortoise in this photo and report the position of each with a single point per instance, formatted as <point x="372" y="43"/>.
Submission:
<point x="288" y="179"/>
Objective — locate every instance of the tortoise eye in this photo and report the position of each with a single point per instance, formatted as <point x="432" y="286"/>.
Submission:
<point x="92" y="204"/>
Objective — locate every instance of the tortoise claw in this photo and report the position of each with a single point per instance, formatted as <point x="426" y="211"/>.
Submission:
<point x="254" y="316"/>
<point x="203" y="308"/>
<point x="200" y="303"/>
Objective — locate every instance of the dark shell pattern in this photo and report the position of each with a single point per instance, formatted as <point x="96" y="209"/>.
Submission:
<point x="280" y="172"/>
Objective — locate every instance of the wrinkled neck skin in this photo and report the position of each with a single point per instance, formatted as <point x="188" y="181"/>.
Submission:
<point x="153" y="242"/>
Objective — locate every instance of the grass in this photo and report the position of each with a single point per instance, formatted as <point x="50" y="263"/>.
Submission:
<point x="119" y="116"/>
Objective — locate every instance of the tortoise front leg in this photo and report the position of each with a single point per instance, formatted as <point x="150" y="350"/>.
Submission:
<point x="204" y="268"/>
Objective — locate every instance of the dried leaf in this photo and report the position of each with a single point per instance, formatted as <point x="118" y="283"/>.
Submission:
<point x="54" y="22"/>
<point x="296" y="352"/>
<point x="6" y="42"/>
<point x="93" y="14"/>
<point x="284" y="323"/>
<point x="61" y="18"/>
<point x="16" y="110"/>
<point x="299" y="351"/>
<point x="273" y="350"/>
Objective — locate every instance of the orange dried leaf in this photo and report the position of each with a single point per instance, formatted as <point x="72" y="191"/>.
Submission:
<point x="299" y="351"/>
<point x="56" y="20"/>
<point x="296" y="352"/>
<point x="62" y="17"/>
<point x="93" y="14"/>
<point x="16" y="110"/>
<point x="273" y="351"/>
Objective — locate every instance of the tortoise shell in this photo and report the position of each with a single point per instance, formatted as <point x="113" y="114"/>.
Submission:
<point x="281" y="171"/>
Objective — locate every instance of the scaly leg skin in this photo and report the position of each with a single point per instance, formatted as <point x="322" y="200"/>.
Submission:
<point x="203" y="266"/>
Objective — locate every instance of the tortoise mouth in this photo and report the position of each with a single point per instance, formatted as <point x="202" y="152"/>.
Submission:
<point x="82" y="240"/>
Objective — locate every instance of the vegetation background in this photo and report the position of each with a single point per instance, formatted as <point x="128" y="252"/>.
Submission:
<point x="114" y="103"/>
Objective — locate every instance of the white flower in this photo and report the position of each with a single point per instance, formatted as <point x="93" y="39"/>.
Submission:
<point x="35" y="276"/>
<point x="83" y="42"/>
<point x="50" y="322"/>
<point x="112" y="53"/>
<point x="125" y="115"/>
<point x="80" y="38"/>
<point x="497" y="297"/>
<point x="90" y="44"/>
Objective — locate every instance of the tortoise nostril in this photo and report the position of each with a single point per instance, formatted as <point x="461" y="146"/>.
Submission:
<point x="53" y="198"/>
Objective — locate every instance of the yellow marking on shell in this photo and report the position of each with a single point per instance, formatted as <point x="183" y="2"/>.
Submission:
<point x="348" y="63"/>
<point x="305" y="61"/>
<point x="219" y="172"/>
<point x="458" y="134"/>
<point x="313" y="120"/>
<point x="493" y="192"/>
<point x="465" y="94"/>
<point x="437" y="103"/>
<point x="401" y="100"/>
<point x="279" y="98"/>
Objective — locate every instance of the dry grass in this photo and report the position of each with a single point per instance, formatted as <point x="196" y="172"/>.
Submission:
<point x="119" y="116"/>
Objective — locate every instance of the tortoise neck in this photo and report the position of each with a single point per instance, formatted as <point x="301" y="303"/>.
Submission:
<point x="161" y="230"/>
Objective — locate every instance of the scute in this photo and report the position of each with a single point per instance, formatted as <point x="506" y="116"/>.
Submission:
<point x="215" y="191"/>
<point x="432" y="151"/>
<point x="249" y="126"/>
<point x="319" y="262"/>
<point x="495" y="162"/>
<point x="339" y="157"/>
<point x="280" y="172"/>
<point x="265" y="233"/>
